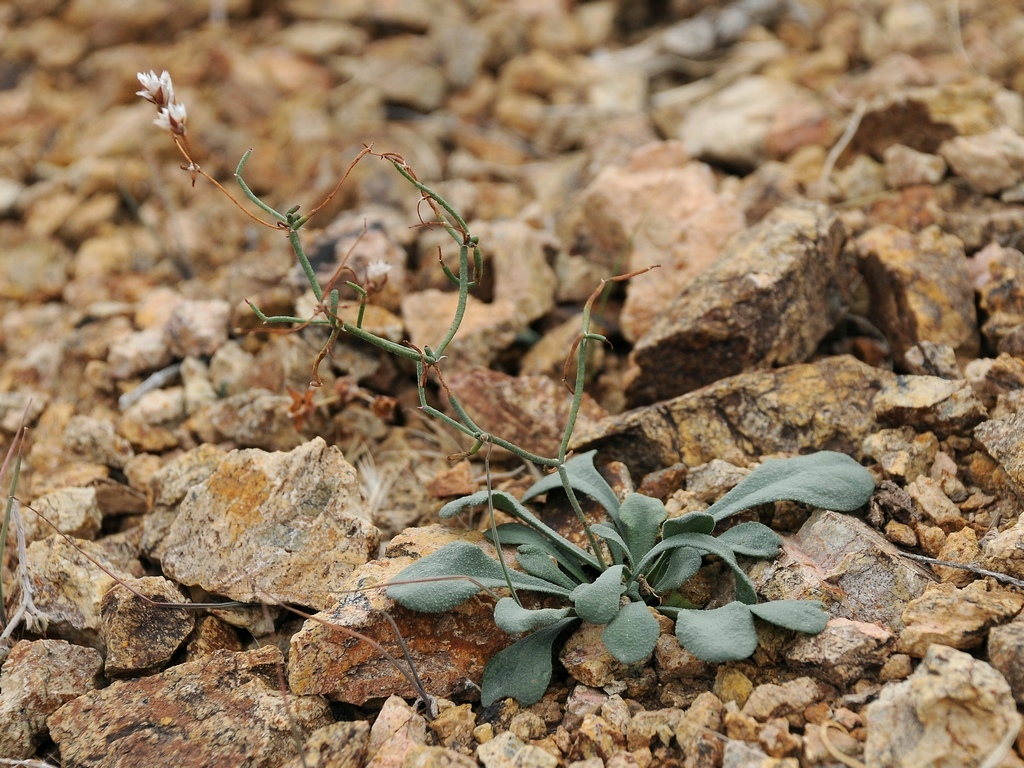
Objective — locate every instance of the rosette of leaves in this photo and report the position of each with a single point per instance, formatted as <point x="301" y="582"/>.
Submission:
<point x="651" y="557"/>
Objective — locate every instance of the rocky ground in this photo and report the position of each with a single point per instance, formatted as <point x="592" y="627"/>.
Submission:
<point x="834" y="192"/>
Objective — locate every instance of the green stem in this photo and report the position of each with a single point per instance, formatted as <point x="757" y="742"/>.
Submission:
<point x="250" y="194"/>
<point x="460" y="308"/>
<point x="564" y="476"/>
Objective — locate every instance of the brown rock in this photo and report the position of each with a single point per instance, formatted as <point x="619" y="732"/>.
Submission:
<point x="506" y="750"/>
<point x="747" y="312"/>
<point x="68" y="587"/>
<point x="906" y="167"/>
<point x="953" y="711"/>
<point x="140" y="637"/>
<point x="225" y="709"/>
<point x="517" y="254"/>
<point x="338" y="745"/>
<point x="37" y="678"/>
<point x="847" y="565"/>
<point x="586" y="658"/>
<point x="454" y="728"/>
<point x="920" y="288"/>
<point x="935" y="505"/>
<point x="903" y="454"/>
<point x="929" y="403"/>
<point x="529" y="411"/>
<point x="486" y="329"/>
<point x="843" y="652"/>
<point x="813" y="406"/>
<point x="959" y="547"/>
<point x="95" y="440"/>
<point x="1002" y="439"/>
<point x="258" y="528"/>
<point x="786" y="700"/>
<point x="989" y="162"/>
<point x="72" y="511"/>
<point x="397" y="730"/>
<point x="613" y="220"/>
<point x="959" y="618"/>
<point x="255" y="418"/>
<point x="450" y="650"/>
<point x="1006" y="654"/>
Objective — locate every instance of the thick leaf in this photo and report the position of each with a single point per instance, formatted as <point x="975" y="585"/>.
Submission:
<point x="516" y="534"/>
<point x="583" y="477"/>
<point x="460" y="558"/>
<point x="631" y="636"/>
<point x="800" y="615"/>
<point x="537" y="562"/>
<point x="680" y="567"/>
<point x="616" y="543"/>
<point x="752" y="540"/>
<point x="706" y="545"/>
<point x="827" y="480"/>
<point x="523" y="670"/>
<point x="721" y="634"/>
<point x="641" y="518"/>
<point x="514" y="619"/>
<point x="508" y="503"/>
<point x="691" y="522"/>
<point x="599" y="602"/>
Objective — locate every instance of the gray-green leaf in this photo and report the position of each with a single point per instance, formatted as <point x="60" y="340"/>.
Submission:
<point x="691" y="522"/>
<point x="682" y="564"/>
<point x="826" y="479"/>
<point x="753" y="540"/>
<point x="523" y="670"/>
<point x="514" y="619"/>
<point x="583" y="477"/>
<point x="537" y="562"/>
<point x="458" y="559"/>
<point x="641" y="518"/>
<point x="721" y="634"/>
<point x="800" y="615"/>
<point x="598" y="602"/>
<point x="631" y="636"/>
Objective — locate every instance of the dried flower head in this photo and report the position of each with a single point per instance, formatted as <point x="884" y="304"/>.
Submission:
<point x="157" y="90"/>
<point x="376" y="270"/>
<point x="172" y="118"/>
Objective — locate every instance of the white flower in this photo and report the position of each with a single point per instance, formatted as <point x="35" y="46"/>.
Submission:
<point x="377" y="269"/>
<point x="172" y="118"/>
<point x="157" y="90"/>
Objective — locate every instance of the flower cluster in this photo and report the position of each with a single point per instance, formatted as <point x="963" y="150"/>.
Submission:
<point x="160" y="91"/>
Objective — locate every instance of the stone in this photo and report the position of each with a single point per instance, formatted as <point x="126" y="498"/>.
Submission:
<point x="935" y="505"/>
<point x="1004" y="552"/>
<point x="257" y="529"/>
<point x="931" y="359"/>
<point x="68" y="587"/>
<point x="518" y="255"/>
<point x="72" y="511"/>
<point x="647" y="725"/>
<point x="338" y="745"/>
<point x="529" y="411"/>
<point x="844" y="652"/>
<point x="140" y="637"/>
<point x="906" y="167"/>
<point x="920" y="288"/>
<point x="256" y="418"/>
<point x="847" y="565"/>
<point x="998" y="274"/>
<point x="95" y="440"/>
<point x="436" y="757"/>
<point x="1002" y="439"/>
<point x="198" y="328"/>
<point x="989" y="162"/>
<point x="929" y="403"/>
<point x="811" y="406"/>
<point x="38" y="678"/>
<point x="506" y="750"/>
<point x="486" y="330"/>
<point x="138" y="352"/>
<point x="903" y="454"/>
<point x="959" y="547"/>
<point x="450" y="650"/>
<point x="953" y="711"/>
<point x="788" y="699"/>
<point x="1006" y="654"/>
<point x="958" y="618"/>
<point x="745" y="311"/>
<point x="612" y="221"/>
<point x="732" y="127"/>
<point x="223" y="709"/>
<point x="397" y="730"/>
<point x="547" y="357"/>
<point x="586" y="658"/>
<point x="454" y="728"/>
